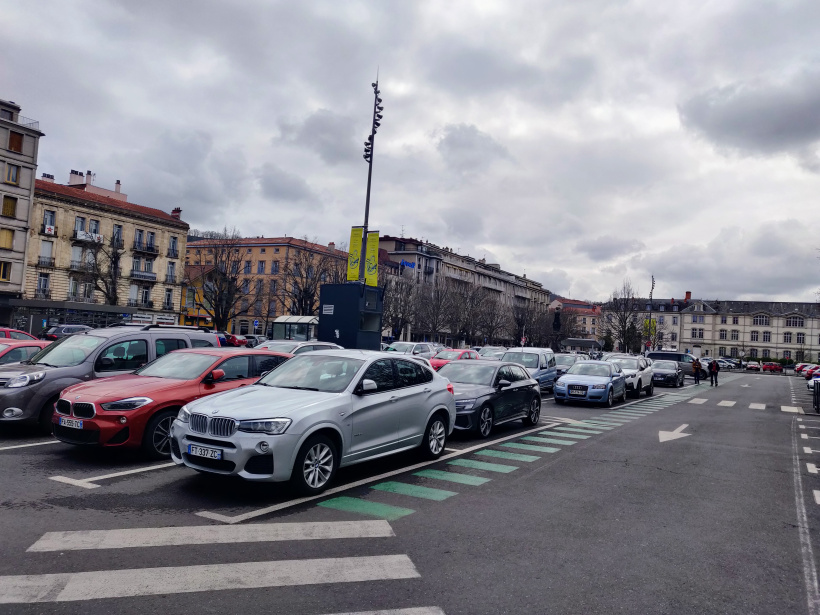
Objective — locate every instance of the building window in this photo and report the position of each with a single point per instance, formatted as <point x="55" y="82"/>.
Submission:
<point x="243" y="306"/>
<point x="174" y="244"/>
<point x="190" y="297"/>
<point x="5" y="271"/>
<point x="16" y="142"/>
<point x="260" y="267"/>
<point x="801" y="338"/>
<point x="674" y="308"/>
<point x="795" y="321"/>
<point x="246" y="286"/>
<point x="172" y="270"/>
<point x="12" y="174"/>
<point x="735" y="320"/>
<point x="9" y="206"/>
<point x="674" y="336"/>
<point x="262" y="250"/>
<point x="761" y="320"/>
<point x="722" y="351"/>
<point x="169" y="298"/>
<point x="247" y="269"/>
<point x="6" y="239"/>
<point x="259" y="284"/>
<point x="49" y="217"/>
<point x="136" y="264"/>
<point x="79" y="224"/>
<point x="276" y="250"/>
<point x="674" y="320"/>
<point x="592" y="331"/>
<point x="94" y="227"/>
<point x="733" y="354"/>
<point x="787" y="354"/>
<point x="735" y="335"/>
<point x="274" y="266"/>
<point x="138" y="235"/>
<point x="754" y="336"/>
<point x="694" y="318"/>
<point x="273" y="286"/>
<point x="787" y="337"/>
<point x="722" y="334"/>
<point x="765" y="353"/>
<point x="723" y="320"/>
<point x="43" y="280"/>
<point x="660" y="320"/>
<point x="150" y="240"/>
<point x="799" y="356"/>
<point x="117" y="236"/>
<point x="767" y="336"/>
<point x="662" y="308"/>
<point x="753" y="353"/>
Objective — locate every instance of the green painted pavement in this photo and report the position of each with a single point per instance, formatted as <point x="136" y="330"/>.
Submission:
<point x="483" y="465"/>
<point x="506" y="455"/>
<point x="549" y="440"/>
<point x="594" y="424"/>
<point x="633" y="415"/>
<point x="531" y="447"/>
<point x="363" y="507"/>
<point x="453" y="477"/>
<point x="564" y="435"/>
<point x="416" y="491"/>
<point x="576" y="430"/>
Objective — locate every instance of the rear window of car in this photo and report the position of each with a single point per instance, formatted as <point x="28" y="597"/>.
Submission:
<point x="198" y="343"/>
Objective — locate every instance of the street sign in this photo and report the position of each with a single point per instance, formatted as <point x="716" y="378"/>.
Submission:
<point x="255" y="324"/>
<point x="523" y="340"/>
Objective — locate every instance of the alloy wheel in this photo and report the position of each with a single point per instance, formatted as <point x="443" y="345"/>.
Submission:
<point x="318" y="465"/>
<point x="535" y="411"/>
<point x="437" y="437"/>
<point x="485" y="422"/>
<point x="609" y="399"/>
<point x="161" y="438"/>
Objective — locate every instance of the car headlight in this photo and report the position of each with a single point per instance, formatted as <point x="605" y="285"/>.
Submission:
<point x="465" y="404"/>
<point x="132" y="403"/>
<point x="598" y="386"/>
<point x="25" y="380"/>
<point x="269" y="426"/>
<point x="184" y="415"/>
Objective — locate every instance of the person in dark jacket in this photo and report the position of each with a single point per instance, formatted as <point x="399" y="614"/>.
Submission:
<point x="714" y="368"/>
<point x="696" y="367"/>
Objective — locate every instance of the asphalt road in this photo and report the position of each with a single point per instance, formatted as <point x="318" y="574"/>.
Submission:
<point x="588" y="513"/>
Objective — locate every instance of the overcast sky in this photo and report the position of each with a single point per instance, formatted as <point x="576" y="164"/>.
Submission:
<point x="578" y="142"/>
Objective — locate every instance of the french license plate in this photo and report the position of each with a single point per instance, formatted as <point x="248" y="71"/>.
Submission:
<point x="71" y="423"/>
<point x="574" y="392"/>
<point x="203" y="451"/>
<point x="658" y="377"/>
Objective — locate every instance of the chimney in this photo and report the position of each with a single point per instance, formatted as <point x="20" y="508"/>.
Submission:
<point x="117" y="186"/>
<point x="688" y="295"/>
<point x="75" y="178"/>
<point x="88" y="177"/>
<point x="331" y="246"/>
<point x="175" y="213"/>
<point x="47" y="177"/>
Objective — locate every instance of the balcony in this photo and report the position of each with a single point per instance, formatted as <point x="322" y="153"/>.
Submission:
<point x="27" y="122"/>
<point x="148" y="248"/>
<point x="171" y="279"/>
<point x="83" y="266"/>
<point x="117" y="243"/>
<point x="79" y="235"/>
<point x="168" y="307"/>
<point x="138" y="303"/>
<point x="173" y="253"/>
<point x="43" y="293"/>
<point x="145" y="276"/>
<point x="45" y="261"/>
<point x="80" y="299"/>
<point x="48" y="229"/>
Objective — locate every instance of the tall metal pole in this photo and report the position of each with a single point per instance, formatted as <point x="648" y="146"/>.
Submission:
<point x="651" y="337"/>
<point x="369" y="147"/>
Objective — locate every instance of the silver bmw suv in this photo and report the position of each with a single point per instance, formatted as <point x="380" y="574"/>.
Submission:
<point x="316" y="413"/>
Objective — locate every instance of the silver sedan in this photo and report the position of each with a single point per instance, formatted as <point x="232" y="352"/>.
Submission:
<point x="314" y="414"/>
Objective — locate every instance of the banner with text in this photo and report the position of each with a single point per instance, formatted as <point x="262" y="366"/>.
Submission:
<point x="355" y="253"/>
<point x="371" y="264"/>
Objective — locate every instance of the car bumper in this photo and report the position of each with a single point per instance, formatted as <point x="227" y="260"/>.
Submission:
<point x="24" y="401"/>
<point x="242" y="454"/>
<point x="665" y="380"/>
<point x="592" y="395"/>
<point x="102" y="430"/>
<point x="466" y="420"/>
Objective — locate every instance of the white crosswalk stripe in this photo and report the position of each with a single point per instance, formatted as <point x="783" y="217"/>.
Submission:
<point x="727" y="404"/>
<point x="425" y="610"/>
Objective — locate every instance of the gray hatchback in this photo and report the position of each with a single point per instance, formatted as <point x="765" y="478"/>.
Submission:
<point x="29" y="390"/>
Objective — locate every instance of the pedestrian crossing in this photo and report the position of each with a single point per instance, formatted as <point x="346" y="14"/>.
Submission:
<point x="81" y="586"/>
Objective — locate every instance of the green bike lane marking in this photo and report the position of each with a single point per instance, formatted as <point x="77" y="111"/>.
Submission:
<point x="590" y="424"/>
<point x="505" y="455"/>
<point x="563" y="435"/>
<point x="416" y="491"/>
<point x="531" y="447"/>
<point x="365" y="507"/>
<point x="483" y="465"/>
<point x="576" y="430"/>
<point x="454" y="477"/>
<point x="549" y="440"/>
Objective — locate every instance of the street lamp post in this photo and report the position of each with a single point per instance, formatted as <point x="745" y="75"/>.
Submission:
<point x="651" y="337"/>
<point x="368" y="156"/>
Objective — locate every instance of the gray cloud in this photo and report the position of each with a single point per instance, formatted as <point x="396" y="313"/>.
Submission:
<point x="466" y="149"/>
<point x="280" y="185"/>
<point x="331" y="135"/>
<point x="607" y="247"/>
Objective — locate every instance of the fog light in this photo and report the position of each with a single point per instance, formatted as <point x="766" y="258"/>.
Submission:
<point x="122" y="420"/>
<point x="10" y="413"/>
<point x="263" y="447"/>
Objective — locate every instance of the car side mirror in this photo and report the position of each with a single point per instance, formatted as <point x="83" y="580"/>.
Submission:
<point x="417" y="352"/>
<point x="503" y="384"/>
<point x="366" y="386"/>
<point x="106" y="362"/>
<point x="214" y="376"/>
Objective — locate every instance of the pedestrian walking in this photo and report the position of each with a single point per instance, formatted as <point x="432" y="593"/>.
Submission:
<point x="714" y="368"/>
<point x="696" y="367"/>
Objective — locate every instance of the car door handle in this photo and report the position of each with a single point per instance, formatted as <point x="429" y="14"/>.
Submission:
<point x="426" y="390"/>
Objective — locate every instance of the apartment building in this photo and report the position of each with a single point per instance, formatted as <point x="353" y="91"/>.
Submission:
<point x="587" y="317"/>
<point x="19" y="143"/>
<point x="95" y="258"/>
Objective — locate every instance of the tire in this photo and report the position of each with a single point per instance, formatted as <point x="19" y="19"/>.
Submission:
<point x="156" y="440"/>
<point x="315" y="465"/>
<point x="534" y="412"/>
<point x="636" y="392"/>
<point x="651" y="390"/>
<point x="44" y="418"/>
<point x="484" y="426"/>
<point x="609" y="399"/>
<point x="623" y="396"/>
<point x="435" y="438"/>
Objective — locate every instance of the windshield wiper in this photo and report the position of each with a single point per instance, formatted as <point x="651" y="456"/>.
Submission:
<point x="46" y="364"/>
<point x="297" y="388"/>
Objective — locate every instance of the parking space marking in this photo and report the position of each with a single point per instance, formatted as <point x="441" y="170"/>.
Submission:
<point x="75" y="586"/>
<point x="416" y="491"/>
<point x="531" y="447"/>
<point x="505" y="455"/>
<point x="726" y="404"/>
<point x="424" y="610"/>
<point x="89" y="483"/>
<point x="757" y="406"/>
<point x="454" y="477"/>
<point x="698" y="400"/>
<point x="816" y="496"/>
<point x="793" y="409"/>
<point x="812" y="469"/>
<point x="483" y="465"/>
<point x="8" y="448"/>
<point x="365" y="507"/>
<point x="208" y="534"/>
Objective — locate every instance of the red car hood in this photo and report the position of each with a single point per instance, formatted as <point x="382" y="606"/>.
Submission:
<point x="121" y="387"/>
<point x="438" y="363"/>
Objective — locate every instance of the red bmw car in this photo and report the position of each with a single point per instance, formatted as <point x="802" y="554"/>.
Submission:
<point x="136" y="410"/>
<point x="16" y="350"/>
<point x="447" y="355"/>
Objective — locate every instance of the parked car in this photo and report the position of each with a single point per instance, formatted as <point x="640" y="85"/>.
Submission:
<point x="563" y="361"/>
<point x="799" y="367"/>
<point x="753" y="366"/>
<point x="772" y="367"/>
<point x="422" y="349"/>
<point x="540" y="363"/>
<point x="28" y="391"/>
<point x="486" y="350"/>
<point x="136" y="410"/>
<point x="15" y="334"/>
<point x="14" y="351"/>
<point x="683" y="359"/>
<point x="292" y="347"/>
<point x="489" y="393"/>
<point x="61" y="331"/>
<point x="493" y="355"/>
<point x="638" y="374"/>
<point x="231" y="339"/>
<point x="317" y="412"/>
<point x="667" y="373"/>
<point x="445" y="356"/>
<point x="724" y="364"/>
<point x="812" y="382"/>
<point x="811" y="371"/>
<point x="254" y="340"/>
<point x="592" y="381"/>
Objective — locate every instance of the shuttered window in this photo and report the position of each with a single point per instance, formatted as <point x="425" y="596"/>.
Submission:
<point x="6" y="239"/>
<point x="9" y="206"/>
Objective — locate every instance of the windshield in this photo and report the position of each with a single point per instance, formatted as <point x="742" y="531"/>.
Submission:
<point x="627" y="363"/>
<point x="3" y="347"/>
<point x="68" y="351"/>
<point x="400" y="347"/>
<point x="589" y="369"/>
<point x="565" y="360"/>
<point x="490" y="350"/>
<point x="467" y="372"/>
<point x="527" y="359"/>
<point x="284" y="347"/>
<point x="665" y="365"/>
<point x="178" y="366"/>
<point x="314" y="373"/>
<point x="448" y="355"/>
<point x="494" y="354"/>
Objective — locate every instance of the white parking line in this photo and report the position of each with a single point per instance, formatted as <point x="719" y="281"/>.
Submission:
<point x="8" y="448"/>
<point x="794" y="409"/>
<point x="88" y="483"/>
<point x="424" y="610"/>
<point x="208" y="534"/>
<point x="698" y="400"/>
<point x="816" y="496"/>
<point x="757" y="406"/>
<point x="727" y="404"/>
<point x="812" y="469"/>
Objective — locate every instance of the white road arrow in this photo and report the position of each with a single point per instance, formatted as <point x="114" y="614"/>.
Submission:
<point x="664" y="436"/>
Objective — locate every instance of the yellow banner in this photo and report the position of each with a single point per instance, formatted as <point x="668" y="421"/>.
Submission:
<point x="354" y="253"/>
<point x="371" y="264"/>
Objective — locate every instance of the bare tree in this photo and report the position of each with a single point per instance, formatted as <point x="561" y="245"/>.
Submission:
<point x="400" y="303"/>
<point x="523" y="320"/>
<point x="620" y="317"/>
<point x="434" y="303"/>
<point x="308" y="267"/>
<point x="493" y="318"/>
<point x="654" y="332"/>
<point x="565" y="326"/>
<point x="101" y="268"/>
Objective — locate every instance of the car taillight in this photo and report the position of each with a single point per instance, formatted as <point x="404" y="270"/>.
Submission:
<point x="50" y="336"/>
<point x="451" y="390"/>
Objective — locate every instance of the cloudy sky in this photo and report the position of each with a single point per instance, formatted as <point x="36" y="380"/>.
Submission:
<point x="579" y="142"/>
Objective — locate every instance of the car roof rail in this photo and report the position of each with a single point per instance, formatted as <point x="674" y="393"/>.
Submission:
<point x="183" y="327"/>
